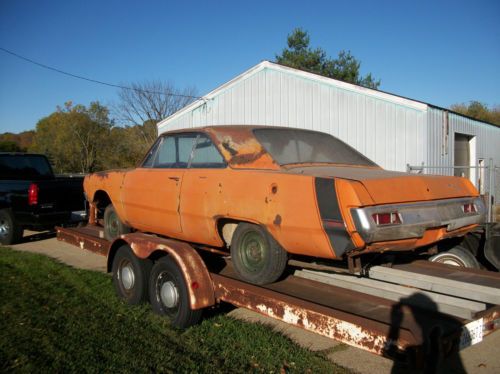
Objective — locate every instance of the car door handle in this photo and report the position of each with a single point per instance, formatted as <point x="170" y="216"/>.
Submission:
<point x="174" y="178"/>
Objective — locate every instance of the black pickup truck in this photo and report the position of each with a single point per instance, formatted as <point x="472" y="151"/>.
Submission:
<point x="32" y="197"/>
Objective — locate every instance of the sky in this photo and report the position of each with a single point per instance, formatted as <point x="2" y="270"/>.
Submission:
<point x="441" y="52"/>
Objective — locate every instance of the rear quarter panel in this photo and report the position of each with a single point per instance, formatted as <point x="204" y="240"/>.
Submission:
<point x="285" y="204"/>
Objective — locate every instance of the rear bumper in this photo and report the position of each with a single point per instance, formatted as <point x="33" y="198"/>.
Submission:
<point x="417" y="218"/>
<point x="38" y="220"/>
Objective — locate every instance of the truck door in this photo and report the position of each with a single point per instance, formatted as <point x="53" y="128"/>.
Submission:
<point x="151" y="193"/>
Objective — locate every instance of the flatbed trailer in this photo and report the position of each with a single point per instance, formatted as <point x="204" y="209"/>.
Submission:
<point x="410" y="312"/>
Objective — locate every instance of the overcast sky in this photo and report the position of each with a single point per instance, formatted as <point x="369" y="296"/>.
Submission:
<point x="442" y="52"/>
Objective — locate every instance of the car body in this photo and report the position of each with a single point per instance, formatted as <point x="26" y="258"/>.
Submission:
<point x="315" y="195"/>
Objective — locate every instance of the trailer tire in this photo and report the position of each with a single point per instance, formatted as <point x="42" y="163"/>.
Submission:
<point x="168" y="294"/>
<point x="457" y="256"/>
<point x="257" y="257"/>
<point x="113" y="227"/>
<point x="130" y="276"/>
<point x="10" y="231"/>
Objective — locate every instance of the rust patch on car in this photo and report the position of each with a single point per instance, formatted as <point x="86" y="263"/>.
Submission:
<point x="241" y="149"/>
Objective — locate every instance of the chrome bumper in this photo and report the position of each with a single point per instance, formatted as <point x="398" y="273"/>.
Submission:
<point x="416" y="218"/>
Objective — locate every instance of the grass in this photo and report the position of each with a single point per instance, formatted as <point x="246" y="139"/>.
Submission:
<point x="60" y="319"/>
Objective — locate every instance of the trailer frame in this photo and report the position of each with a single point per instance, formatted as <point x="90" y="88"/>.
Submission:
<point x="395" y="329"/>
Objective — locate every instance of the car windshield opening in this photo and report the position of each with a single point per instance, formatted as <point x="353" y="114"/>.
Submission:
<point x="294" y="146"/>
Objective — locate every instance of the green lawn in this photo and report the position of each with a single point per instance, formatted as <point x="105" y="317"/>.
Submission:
<point x="54" y="318"/>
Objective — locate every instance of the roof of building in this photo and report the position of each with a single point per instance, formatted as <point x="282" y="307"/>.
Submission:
<point x="387" y="96"/>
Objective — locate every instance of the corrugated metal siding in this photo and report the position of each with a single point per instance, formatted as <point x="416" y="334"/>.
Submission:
<point x="391" y="134"/>
<point x="440" y="151"/>
<point x="441" y="144"/>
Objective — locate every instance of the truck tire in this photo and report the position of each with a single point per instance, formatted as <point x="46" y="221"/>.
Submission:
<point x="168" y="294"/>
<point x="10" y="232"/>
<point x="457" y="256"/>
<point x="113" y="227"/>
<point x="257" y="257"/>
<point x="130" y="276"/>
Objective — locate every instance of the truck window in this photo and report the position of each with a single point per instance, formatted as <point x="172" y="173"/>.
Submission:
<point x="24" y="167"/>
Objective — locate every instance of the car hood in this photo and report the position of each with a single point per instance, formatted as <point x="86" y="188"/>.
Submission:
<point x="386" y="187"/>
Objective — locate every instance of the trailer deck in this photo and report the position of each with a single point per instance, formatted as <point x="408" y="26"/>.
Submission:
<point x="396" y="312"/>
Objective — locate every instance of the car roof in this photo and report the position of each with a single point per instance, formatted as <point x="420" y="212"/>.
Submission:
<point x="238" y="144"/>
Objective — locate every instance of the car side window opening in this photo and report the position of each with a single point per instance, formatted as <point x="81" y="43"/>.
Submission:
<point x="206" y="155"/>
<point x="150" y="157"/>
<point x="183" y="151"/>
<point x="173" y="152"/>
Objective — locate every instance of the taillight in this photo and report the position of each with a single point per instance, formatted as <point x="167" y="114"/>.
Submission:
<point x="392" y="218"/>
<point x="33" y="194"/>
<point x="469" y="208"/>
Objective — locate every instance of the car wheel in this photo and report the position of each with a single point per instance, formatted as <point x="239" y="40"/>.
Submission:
<point x="457" y="256"/>
<point x="10" y="232"/>
<point x="168" y="294"/>
<point x="130" y="276"/>
<point x="113" y="227"/>
<point x="256" y="256"/>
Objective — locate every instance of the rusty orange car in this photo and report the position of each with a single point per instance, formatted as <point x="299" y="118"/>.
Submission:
<point x="265" y="193"/>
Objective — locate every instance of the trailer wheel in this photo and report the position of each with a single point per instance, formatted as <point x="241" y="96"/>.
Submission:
<point x="113" y="227"/>
<point x="10" y="232"/>
<point x="168" y="294"/>
<point x="130" y="276"/>
<point x="457" y="256"/>
<point x="256" y="256"/>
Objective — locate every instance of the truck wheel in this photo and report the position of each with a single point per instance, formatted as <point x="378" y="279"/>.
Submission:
<point x="256" y="256"/>
<point x="168" y="294"/>
<point x="130" y="276"/>
<point x="457" y="256"/>
<point x="10" y="232"/>
<point x="113" y="227"/>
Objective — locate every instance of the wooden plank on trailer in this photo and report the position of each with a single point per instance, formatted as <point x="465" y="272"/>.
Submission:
<point x="457" y="307"/>
<point x="489" y="295"/>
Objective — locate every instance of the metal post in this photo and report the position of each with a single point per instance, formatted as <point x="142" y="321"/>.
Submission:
<point x="491" y="175"/>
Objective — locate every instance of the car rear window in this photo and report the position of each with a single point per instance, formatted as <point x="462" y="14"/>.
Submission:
<point x="294" y="146"/>
<point x="24" y="167"/>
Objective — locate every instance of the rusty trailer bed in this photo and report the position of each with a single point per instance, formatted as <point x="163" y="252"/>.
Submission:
<point x="393" y="328"/>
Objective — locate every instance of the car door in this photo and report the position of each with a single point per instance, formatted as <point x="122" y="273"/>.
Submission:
<point x="151" y="193"/>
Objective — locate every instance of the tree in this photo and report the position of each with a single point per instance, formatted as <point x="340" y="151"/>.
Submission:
<point x="23" y="140"/>
<point x="148" y="103"/>
<point x="74" y="137"/>
<point x="299" y="55"/>
<point x="478" y="110"/>
<point x="9" y="146"/>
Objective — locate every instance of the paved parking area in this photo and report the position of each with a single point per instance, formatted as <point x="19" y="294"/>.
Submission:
<point x="481" y="358"/>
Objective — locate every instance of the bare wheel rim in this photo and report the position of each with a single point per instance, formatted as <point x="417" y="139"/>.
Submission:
<point x="126" y="275"/>
<point x="112" y="224"/>
<point x="253" y="251"/>
<point x="4" y="228"/>
<point x="167" y="293"/>
<point x="450" y="260"/>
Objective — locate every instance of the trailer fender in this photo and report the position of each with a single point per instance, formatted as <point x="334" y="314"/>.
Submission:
<point x="196" y="275"/>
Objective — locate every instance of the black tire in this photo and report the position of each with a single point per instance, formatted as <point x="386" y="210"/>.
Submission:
<point x="168" y="294"/>
<point x="113" y="227"/>
<point x="10" y="231"/>
<point x="130" y="276"/>
<point x="457" y="256"/>
<point x="257" y="257"/>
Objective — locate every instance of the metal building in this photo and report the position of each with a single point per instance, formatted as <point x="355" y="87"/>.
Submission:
<point x="396" y="132"/>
